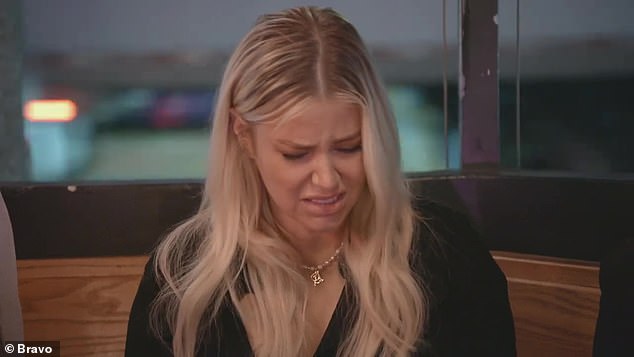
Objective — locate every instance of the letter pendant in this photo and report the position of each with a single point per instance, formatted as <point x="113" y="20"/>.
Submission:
<point x="316" y="278"/>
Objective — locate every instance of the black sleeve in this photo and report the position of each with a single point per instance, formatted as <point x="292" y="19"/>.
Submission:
<point x="470" y="313"/>
<point x="140" y="340"/>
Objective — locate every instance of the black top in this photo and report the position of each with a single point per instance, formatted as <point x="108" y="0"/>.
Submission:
<point x="469" y="311"/>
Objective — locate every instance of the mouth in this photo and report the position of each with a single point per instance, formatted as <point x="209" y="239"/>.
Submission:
<point x="326" y="201"/>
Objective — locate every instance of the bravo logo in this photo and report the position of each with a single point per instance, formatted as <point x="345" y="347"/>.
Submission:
<point x="34" y="350"/>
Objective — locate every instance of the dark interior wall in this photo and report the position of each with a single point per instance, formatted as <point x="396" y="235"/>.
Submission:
<point x="562" y="217"/>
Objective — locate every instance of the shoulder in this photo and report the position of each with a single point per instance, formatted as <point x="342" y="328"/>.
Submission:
<point x="141" y="340"/>
<point x="449" y="251"/>
<point x="469" y="310"/>
<point x="447" y="244"/>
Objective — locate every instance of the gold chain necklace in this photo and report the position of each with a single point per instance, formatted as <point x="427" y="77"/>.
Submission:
<point x="315" y="276"/>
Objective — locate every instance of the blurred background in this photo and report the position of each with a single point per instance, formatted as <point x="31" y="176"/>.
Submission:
<point x="124" y="89"/>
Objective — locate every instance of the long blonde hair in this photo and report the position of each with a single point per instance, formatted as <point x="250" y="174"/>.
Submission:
<point x="233" y="240"/>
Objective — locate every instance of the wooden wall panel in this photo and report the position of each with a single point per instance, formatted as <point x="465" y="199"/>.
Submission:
<point x="555" y="304"/>
<point x="84" y="303"/>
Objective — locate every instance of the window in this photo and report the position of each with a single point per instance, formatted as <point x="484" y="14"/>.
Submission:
<point x="143" y="86"/>
<point x="576" y="69"/>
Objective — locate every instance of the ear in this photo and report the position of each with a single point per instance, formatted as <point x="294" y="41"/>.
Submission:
<point x="242" y="131"/>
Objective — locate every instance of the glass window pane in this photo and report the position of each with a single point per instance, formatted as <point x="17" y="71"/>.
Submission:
<point x="141" y="88"/>
<point x="576" y="62"/>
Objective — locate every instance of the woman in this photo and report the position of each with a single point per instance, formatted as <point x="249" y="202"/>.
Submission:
<point x="306" y="241"/>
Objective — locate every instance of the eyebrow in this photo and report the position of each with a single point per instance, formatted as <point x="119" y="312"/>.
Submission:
<point x="337" y="141"/>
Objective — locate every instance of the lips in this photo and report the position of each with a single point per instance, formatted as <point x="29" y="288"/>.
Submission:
<point x="327" y="200"/>
<point x="325" y="206"/>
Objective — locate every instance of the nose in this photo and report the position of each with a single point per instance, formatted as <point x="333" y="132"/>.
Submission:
<point x="325" y="174"/>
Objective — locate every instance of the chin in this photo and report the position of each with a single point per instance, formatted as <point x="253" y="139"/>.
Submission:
<point x="325" y="224"/>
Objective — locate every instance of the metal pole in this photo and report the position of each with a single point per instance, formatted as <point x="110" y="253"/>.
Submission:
<point x="479" y="87"/>
<point x="518" y="122"/>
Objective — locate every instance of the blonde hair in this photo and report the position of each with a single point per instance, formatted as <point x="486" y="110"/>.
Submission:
<point x="233" y="244"/>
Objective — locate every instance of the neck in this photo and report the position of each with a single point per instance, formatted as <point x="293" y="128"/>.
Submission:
<point x="316" y="249"/>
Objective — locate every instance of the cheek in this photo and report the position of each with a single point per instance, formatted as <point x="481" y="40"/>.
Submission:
<point x="282" y="182"/>
<point x="354" y="172"/>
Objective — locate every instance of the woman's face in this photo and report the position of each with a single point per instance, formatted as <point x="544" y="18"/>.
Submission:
<point x="312" y="166"/>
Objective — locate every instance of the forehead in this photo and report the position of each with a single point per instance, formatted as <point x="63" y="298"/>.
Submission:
<point x="319" y="118"/>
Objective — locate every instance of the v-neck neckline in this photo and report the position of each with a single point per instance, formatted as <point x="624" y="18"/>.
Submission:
<point x="330" y="339"/>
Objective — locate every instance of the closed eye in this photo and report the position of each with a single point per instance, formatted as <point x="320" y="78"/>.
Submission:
<point x="350" y="150"/>
<point x="293" y="156"/>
